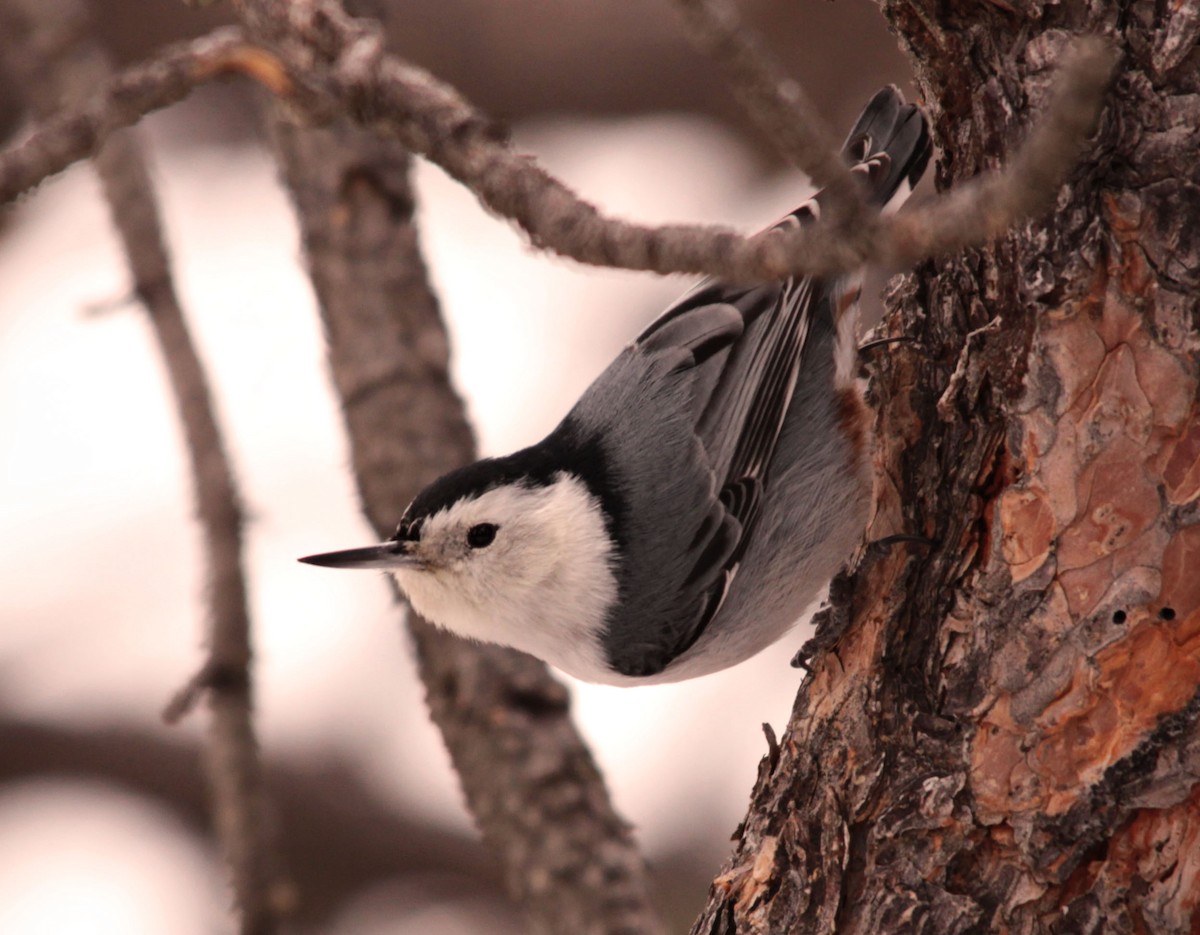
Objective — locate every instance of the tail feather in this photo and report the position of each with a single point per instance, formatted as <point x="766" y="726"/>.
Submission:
<point x="890" y="146"/>
<point x="890" y="128"/>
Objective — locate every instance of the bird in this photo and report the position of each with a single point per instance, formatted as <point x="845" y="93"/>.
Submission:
<point x="698" y="496"/>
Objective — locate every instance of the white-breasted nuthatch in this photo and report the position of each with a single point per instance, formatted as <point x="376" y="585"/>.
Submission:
<point x="694" y="501"/>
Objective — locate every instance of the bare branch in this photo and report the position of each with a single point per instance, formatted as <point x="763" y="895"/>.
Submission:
<point x="234" y="769"/>
<point x="432" y="119"/>
<point x="78" y="130"/>
<point x="327" y="58"/>
<point x="537" y="796"/>
<point x="338" y="834"/>
<point x="529" y="779"/>
<point x="63" y="63"/>
<point x="778" y="103"/>
<point x="344" y="58"/>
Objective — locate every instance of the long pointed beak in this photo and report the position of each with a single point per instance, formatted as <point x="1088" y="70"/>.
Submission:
<point x="387" y="555"/>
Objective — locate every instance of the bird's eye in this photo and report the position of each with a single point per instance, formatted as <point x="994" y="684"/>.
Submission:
<point x="481" y="535"/>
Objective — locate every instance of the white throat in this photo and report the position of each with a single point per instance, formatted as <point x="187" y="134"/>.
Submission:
<point x="543" y="586"/>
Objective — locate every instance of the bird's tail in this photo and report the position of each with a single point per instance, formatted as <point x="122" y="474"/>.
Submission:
<point x="890" y="143"/>
<point x="890" y="146"/>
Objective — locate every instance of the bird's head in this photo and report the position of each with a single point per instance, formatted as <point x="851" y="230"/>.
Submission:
<point x="515" y="559"/>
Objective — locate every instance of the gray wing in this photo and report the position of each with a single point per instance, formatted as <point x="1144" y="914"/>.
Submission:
<point x="739" y="352"/>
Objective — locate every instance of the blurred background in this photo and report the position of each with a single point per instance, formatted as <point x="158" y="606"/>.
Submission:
<point x="103" y="826"/>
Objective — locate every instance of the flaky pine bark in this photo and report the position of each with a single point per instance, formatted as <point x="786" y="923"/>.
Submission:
<point x="999" y="732"/>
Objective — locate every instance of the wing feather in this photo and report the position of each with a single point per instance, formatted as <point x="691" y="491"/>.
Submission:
<point x="731" y="357"/>
<point x="740" y="424"/>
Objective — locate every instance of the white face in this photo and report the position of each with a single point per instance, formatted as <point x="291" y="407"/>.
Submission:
<point x="543" y="584"/>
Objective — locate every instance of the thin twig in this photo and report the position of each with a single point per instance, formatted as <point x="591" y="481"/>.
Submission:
<point x="434" y="120"/>
<point x="63" y="62"/>
<point x="78" y="129"/>
<point x="234" y="768"/>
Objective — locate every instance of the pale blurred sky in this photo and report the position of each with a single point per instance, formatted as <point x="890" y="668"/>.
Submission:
<point x="100" y="613"/>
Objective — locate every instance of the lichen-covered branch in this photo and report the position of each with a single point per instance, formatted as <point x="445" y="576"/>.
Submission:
<point x="47" y="45"/>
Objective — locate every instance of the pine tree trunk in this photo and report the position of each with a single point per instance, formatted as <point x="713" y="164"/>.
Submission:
<point x="1000" y="731"/>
